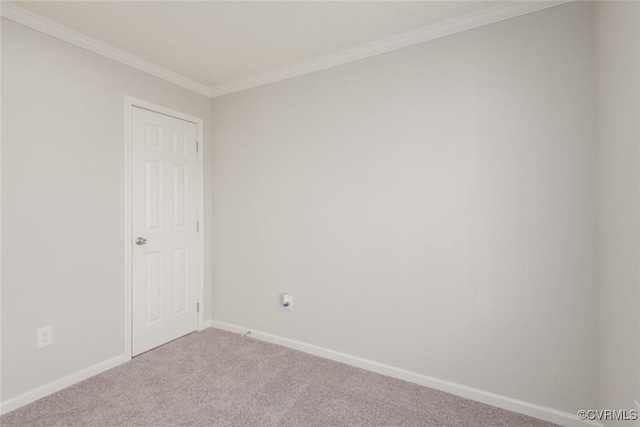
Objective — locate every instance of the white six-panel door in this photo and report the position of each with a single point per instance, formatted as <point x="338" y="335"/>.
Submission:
<point x="164" y="217"/>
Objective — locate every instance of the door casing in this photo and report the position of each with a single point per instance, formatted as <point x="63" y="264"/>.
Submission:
<point x="130" y="102"/>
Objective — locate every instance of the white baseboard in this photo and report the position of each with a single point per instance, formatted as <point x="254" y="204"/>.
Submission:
<point x="59" y="384"/>
<point x="515" y="405"/>
<point x="508" y="403"/>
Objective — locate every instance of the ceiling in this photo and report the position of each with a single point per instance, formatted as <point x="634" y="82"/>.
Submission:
<point x="221" y="42"/>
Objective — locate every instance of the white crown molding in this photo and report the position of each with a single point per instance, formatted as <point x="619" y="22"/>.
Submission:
<point x="22" y="16"/>
<point x="420" y="35"/>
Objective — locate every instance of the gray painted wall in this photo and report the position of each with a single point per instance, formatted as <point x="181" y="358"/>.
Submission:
<point x="618" y="66"/>
<point x="432" y="208"/>
<point x="62" y="207"/>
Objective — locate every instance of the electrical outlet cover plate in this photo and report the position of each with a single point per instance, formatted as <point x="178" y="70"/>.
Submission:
<point x="289" y="305"/>
<point x="44" y="336"/>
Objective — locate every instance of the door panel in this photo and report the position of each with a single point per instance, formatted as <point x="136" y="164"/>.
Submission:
<point x="164" y="216"/>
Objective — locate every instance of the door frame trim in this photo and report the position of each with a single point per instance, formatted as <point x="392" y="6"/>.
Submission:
<point x="129" y="103"/>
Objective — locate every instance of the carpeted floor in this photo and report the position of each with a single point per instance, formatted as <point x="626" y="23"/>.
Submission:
<point x="215" y="378"/>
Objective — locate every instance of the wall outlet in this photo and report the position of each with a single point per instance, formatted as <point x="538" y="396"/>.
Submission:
<point x="44" y="336"/>
<point x="287" y="302"/>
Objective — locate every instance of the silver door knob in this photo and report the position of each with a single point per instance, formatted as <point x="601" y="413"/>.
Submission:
<point x="141" y="241"/>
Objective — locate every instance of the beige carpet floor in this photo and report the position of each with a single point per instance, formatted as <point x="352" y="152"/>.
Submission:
<point x="215" y="378"/>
